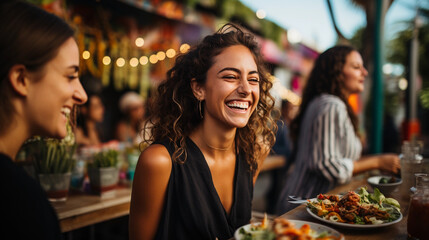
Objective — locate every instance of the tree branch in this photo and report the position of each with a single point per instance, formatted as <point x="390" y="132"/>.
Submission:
<point x="337" y="30"/>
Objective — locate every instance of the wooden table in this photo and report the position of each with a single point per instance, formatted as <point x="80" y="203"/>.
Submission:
<point x="83" y="209"/>
<point x="392" y="232"/>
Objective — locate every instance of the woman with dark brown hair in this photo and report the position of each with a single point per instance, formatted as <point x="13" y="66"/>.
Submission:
<point x="327" y="147"/>
<point x="39" y="87"/>
<point x="210" y="134"/>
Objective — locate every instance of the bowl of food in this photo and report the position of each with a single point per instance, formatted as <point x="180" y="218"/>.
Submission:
<point x="386" y="184"/>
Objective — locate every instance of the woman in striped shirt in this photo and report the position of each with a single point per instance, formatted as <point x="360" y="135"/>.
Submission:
<point x="325" y="132"/>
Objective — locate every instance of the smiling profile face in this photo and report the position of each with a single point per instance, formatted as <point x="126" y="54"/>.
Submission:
<point x="354" y="74"/>
<point x="53" y="91"/>
<point x="231" y="91"/>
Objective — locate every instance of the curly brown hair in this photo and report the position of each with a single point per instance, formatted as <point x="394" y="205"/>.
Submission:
<point x="326" y="77"/>
<point x="173" y="114"/>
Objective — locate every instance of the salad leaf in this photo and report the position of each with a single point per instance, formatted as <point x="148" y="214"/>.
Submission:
<point x="363" y="195"/>
<point x="377" y="197"/>
<point x="384" y="180"/>
<point x="323" y="234"/>
<point x="392" y="202"/>
<point x="394" y="213"/>
<point x="255" y="233"/>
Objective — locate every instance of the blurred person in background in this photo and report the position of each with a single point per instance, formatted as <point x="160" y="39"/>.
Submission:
<point x="132" y="107"/>
<point x="39" y="87"/>
<point x="90" y="115"/>
<point x="282" y="147"/>
<point x="88" y="132"/>
<point x="283" y="144"/>
<point x="327" y="147"/>
<point x="210" y="136"/>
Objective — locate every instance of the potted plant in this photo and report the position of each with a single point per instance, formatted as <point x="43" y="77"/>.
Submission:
<point x="103" y="171"/>
<point x="53" y="162"/>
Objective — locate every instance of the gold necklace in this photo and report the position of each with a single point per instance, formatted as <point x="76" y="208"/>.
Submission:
<point x="216" y="148"/>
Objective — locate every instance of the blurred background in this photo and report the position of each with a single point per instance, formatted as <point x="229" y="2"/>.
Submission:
<point x="128" y="45"/>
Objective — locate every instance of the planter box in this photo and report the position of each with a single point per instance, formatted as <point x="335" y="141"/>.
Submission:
<point x="103" y="180"/>
<point x="55" y="185"/>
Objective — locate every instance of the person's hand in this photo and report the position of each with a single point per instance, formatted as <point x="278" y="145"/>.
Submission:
<point x="389" y="163"/>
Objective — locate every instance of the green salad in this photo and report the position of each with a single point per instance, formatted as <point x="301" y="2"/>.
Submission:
<point x="359" y="207"/>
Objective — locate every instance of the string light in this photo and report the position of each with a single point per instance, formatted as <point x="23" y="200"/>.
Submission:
<point x="86" y="55"/>
<point x="171" y="53"/>
<point x="144" y="60"/>
<point x="139" y="42"/>
<point x="106" y="60"/>
<point x="134" y="62"/>
<point x="160" y="55"/>
<point x="120" y="62"/>
<point x="153" y="59"/>
<point x="184" y="48"/>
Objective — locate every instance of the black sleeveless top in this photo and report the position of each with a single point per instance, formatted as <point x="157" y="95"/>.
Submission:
<point x="192" y="207"/>
<point x="25" y="210"/>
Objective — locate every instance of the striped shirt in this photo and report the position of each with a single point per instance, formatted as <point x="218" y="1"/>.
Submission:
<point x="327" y="147"/>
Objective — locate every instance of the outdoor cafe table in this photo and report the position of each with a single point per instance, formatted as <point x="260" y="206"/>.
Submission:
<point x="392" y="232"/>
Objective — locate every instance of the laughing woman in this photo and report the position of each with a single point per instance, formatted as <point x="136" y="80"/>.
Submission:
<point x="39" y="85"/>
<point x="210" y="136"/>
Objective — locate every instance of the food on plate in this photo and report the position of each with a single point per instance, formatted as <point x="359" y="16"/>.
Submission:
<point x="385" y="180"/>
<point x="282" y="228"/>
<point x="356" y="208"/>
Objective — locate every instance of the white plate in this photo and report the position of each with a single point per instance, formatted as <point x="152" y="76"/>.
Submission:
<point x="318" y="228"/>
<point x="349" y="225"/>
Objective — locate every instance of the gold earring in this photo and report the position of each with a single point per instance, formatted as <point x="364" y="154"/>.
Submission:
<point x="200" y="109"/>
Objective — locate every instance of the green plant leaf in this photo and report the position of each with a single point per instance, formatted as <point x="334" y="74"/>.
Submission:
<point x="52" y="155"/>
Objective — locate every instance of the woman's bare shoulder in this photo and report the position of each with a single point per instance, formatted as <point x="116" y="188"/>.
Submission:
<point x="155" y="158"/>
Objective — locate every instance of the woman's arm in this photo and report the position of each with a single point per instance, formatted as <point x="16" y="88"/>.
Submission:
<point x="149" y="187"/>
<point x="385" y="162"/>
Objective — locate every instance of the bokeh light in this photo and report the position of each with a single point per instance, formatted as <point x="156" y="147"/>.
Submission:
<point x="261" y="14"/>
<point x="403" y="84"/>
<point x="120" y="62"/>
<point x="160" y="55"/>
<point x="134" y="62"/>
<point x="144" y="60"/>
<point x="184" y="48"/>
<point x="171" y="53"/>
<point x="294" y="36"/>
<point x="86" y="54"/>
<point x="153" y="59"/>
<point x="387" y="68"/>
<point x="139" y="42"/>
<point x="107" y="60"/>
